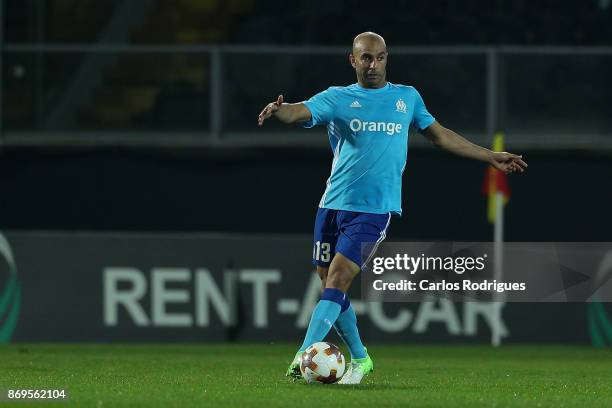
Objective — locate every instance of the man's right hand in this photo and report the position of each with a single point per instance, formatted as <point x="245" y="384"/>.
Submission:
<point x="269" y="110"/>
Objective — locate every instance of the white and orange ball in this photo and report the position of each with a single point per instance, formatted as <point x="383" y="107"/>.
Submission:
<point x="322" y="362"/>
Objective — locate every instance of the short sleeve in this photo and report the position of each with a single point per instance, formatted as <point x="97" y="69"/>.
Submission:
<point x="422" y="119"/>
<point x="321" y="107"/>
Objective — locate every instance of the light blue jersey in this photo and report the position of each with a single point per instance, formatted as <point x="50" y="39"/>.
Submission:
<point x="368" y="131"/>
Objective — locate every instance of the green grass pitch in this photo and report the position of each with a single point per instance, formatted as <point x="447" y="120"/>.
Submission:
<point x="180" y="375"/>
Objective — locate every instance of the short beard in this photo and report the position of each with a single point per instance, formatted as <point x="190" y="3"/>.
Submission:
<point x="380" y="79"/>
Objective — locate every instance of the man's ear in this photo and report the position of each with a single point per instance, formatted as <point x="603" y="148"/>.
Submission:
<point x="352" y="59"/>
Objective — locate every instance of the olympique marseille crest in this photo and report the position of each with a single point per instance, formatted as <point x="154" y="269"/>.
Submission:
<point x="400" y="106"/>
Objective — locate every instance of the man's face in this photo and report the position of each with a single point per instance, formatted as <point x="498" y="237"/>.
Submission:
<point x="369" y="58"/>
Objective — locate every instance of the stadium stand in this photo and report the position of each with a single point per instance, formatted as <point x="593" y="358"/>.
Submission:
<point x="163" y="90"/>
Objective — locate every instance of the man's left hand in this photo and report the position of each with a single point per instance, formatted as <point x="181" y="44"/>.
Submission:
<point x="507" y="162"/>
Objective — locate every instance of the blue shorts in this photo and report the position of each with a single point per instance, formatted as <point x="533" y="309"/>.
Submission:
<point x="344" y="232"/>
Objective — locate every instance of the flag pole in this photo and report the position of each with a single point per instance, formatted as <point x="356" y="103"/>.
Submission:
<point x="498" y="245"/>
<point x="498" y="253"/>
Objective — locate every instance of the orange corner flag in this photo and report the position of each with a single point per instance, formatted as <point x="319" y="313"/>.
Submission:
<point x="495" y="181"/>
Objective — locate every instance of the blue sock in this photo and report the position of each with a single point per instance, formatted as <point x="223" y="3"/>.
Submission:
<point x="323" y="316"/>
<point x="346" y="326"/>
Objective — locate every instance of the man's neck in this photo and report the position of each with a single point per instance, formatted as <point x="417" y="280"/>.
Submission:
<point x="378" y="86"/>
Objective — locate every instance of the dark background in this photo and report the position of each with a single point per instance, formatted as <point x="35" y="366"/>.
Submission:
<point x="565" y="196"/>
<point x="113" y="162"/>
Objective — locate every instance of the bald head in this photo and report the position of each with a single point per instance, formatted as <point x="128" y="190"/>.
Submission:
<point x="369" y="58"/>
<point x="368" y="40"/>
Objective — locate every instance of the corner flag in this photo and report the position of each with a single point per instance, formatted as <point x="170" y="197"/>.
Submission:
<point x="495" y="182"/>
<point x="496" y="188"/>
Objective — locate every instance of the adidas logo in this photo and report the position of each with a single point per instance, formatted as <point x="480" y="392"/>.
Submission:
<point x="355" y="104"/>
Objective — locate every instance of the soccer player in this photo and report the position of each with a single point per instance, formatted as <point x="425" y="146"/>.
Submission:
<point x="367" y="124"/>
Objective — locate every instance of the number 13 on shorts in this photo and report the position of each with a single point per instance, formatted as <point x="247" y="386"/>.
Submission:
<point x="322" y="251"/>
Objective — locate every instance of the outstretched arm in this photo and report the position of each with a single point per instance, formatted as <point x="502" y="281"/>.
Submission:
<point x="285" y="112"/>
<point x="448" y="140"/>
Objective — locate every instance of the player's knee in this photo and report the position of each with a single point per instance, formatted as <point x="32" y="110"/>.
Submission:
<point x="323" y="283"/>
<point x="322" y="272"/>
<point x="340" y="278"/>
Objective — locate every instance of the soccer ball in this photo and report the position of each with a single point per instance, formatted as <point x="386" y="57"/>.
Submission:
<point x="322" y="362"/>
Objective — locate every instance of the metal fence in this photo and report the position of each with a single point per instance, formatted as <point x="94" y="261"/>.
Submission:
<point x="541" y="97"/>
